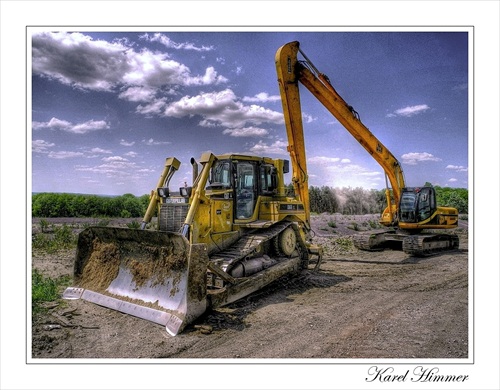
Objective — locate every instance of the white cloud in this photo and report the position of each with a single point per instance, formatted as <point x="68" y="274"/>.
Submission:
<point x="414" y="158"/>
<point x="113" y="158"/>
<point x="82" y="128"/>
<point x="410" y="110"/>
<point x="152" y="142"/>
<point x="156" y="107"/>
<point x="458" y="168"/>
<point x="322" y="160"/>
<point x="115" y="168"/>
<point x="126" y="143"/>
<point x="352" y="169"/>
<point x="262" y="98"/>
<point x="246" y="132"/>
<point x="340" y="175"/>
<point x="372" y="173"/>
<point x="99" y="150"/>
<point x="222" y="108"/>
<point x="460" y="87"/>
<point x="169" y="43"/>
<point x="64" y="154"/>
<point x="54" y="123"/>
<point x="78" y="128"/>
<point x="138" y="94"/>
<point x="340" y="172"/>
<point x="210" y="77"/>
<point x="306" y="118"/>
<point x="77" y="60"/>
<point x="40" y="146"/>
<point x="277" y="147"/>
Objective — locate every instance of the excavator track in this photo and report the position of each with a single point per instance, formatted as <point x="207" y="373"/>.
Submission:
<point x="373" y="241"/>
<point x="420" y="245"/>
<point x="423" y="245"/>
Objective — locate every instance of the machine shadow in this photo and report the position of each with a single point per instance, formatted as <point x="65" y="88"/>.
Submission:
<point x="233" y="315"/>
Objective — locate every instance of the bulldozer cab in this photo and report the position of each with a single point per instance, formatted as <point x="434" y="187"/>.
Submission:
<point x="247" y="179"/>
<point x="245" y="188"/>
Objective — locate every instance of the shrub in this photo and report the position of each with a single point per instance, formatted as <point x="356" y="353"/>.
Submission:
<point x="133" y="225"/>
<point x="45" y="289"/>
<point x="343" y="244"/>
<point x="332" y="223"/>
<point x="354" y="226"/>
<point x="62" y="238"/>
<point x="373" y="224"/>
<point x="44" y="225"/>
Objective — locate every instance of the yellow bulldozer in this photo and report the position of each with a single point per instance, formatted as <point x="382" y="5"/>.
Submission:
<point x="232" y="232"/>
<point x="235" y="229"/>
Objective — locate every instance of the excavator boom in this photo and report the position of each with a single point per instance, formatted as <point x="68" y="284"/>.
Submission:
<point x="290" y="71"/>
<point x="419" y="209"/>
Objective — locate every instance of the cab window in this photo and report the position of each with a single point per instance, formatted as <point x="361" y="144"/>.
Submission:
<point x="220" y="177"/>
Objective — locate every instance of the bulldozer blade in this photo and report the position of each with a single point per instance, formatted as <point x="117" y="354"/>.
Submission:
<point x="157" y="276"/>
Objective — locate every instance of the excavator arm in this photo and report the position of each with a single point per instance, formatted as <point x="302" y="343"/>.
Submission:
<point x="290" y="71"/>
<point x="290" y="99"/>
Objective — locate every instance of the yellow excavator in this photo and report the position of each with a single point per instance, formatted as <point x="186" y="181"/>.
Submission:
<point x="409" y="209"/>
<point x="233" y="231"/>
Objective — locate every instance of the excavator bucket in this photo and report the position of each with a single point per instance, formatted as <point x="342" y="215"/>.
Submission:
<point x="154" y="275"/>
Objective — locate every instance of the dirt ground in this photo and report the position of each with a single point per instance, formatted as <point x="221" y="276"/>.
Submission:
<point x="358" y="305"/>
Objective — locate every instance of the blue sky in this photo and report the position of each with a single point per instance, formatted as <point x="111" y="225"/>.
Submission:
<point x="108" y="107"/>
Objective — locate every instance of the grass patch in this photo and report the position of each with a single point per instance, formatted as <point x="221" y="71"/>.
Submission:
<point x="101" y="222"/>
<point x="343" y="244"/>
<point x="62" y="237"/>
<point x="44" y="225"/>
<point x="373" y="224"/>
<point x="354" y="226"/>
<point x="134" y="225"/>
<point x="45" y="289"/>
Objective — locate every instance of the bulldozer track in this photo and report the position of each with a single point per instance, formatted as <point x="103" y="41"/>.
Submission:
<point x="247" y="245"/>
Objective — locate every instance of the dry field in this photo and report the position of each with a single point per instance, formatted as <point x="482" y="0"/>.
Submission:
<point x="358" y="305"/>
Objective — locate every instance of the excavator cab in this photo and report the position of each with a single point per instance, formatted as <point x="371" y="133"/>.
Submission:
<point x="417" y="204"/>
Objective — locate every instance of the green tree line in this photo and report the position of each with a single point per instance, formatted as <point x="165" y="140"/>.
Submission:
<point x="349" y="201"/>
<point x="51" y="205"/>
